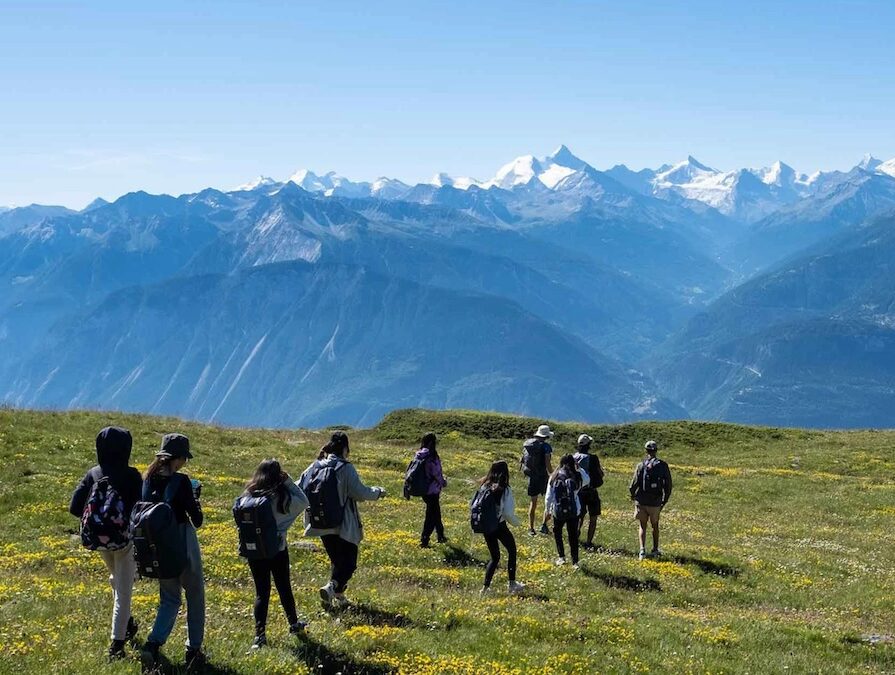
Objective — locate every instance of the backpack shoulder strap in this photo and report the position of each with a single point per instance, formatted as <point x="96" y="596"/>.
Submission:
<point x="172" y="487"/>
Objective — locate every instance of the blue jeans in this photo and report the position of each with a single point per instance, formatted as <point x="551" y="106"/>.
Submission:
<point x="191" y="581"/>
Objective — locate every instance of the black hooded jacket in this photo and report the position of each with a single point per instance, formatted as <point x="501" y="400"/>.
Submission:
<point x="113" y="452"/>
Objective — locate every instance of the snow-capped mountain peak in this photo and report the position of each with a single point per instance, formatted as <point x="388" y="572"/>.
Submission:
<point x="689" y="171"/>
<point x="887" y="167"/>
<point x="869" y="163"/>
<point x="260" y="181"/>
<point x="518" y="172"/>
<point x="778" y="174"/>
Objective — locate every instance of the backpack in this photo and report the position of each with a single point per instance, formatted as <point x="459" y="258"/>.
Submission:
<point x="104" y="523"/>
<point x="484" y="512"/>
<point x="564" y="505"/>
<point x="159" y="546"/>
<point x="596" y="476"/>
<point x="532" y="462"/>
<point x="652" y="480"/>
<point x="257" y="526"/>
<point x="326" y="510"/>
<point x="416" y="479"/>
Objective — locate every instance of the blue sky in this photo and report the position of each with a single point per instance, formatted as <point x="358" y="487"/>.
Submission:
<point x="101" y="98"/>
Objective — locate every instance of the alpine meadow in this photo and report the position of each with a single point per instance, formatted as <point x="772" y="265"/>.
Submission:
<point x="777" y="556"/>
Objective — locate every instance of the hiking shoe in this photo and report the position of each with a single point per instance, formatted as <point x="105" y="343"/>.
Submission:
<point x="514" y="587"/>
<point x="486" y="590"/>
<point x="327" y="593"/>
<point x="442" y="539"/>
<point x="657" y="553"/>
<point x="298" y="628"/>
<point x="531" y="532"/>
<point x="545" y="529"/>
<point x="259" y="642"/>
<point x="340" y="601"/>
<point x="588" y="546"/>
<point x="576" y="566"/>
<point x="116" y="650"/>
<point x="132" y="628"/>
<point x="149" y="657"/>
<point x="425" y="544"/>
<point x="642" y="555"/>
<point x="559" y="561"/>
<point x="195" y="658"/>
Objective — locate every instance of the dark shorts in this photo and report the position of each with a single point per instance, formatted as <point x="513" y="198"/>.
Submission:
<point x="537" y="485"/>
<point x="590" y="503"/>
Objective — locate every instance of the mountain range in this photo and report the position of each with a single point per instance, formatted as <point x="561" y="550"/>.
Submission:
<point x="552" y="288"/>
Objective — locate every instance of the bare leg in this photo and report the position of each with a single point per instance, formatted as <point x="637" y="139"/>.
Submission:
<point x="591" y="529"/>
<point x="642" y="534"/>
<point x="656" y="535"/>
<point x="532" y="509"/>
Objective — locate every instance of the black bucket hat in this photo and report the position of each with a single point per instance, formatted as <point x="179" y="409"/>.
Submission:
<point x="174" y="446"/>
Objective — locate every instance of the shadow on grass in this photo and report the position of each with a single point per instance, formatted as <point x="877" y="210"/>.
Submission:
<point x="707" y="566"/>
<point x="617" y="552"/>
<point x="458" y="557"/>
<point x="165" y="666"/>
<point x="623" y="582"/>
<point x="321" y="659"/>
<point x="371" y="616"/>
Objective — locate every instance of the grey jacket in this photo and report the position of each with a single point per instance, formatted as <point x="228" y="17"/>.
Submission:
<point x="296" y="507"/>
<point x="351" y="491"/>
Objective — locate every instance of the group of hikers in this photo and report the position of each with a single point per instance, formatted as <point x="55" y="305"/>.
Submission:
<point x="146" y="524"/>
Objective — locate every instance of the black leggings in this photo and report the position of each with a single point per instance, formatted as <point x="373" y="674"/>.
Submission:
<point x="343" y="560"/>
<point x="572" y="526"/>
<point x="432" y="523"/>
<point x="500" y="536"/>
<point x="262" y="570"/>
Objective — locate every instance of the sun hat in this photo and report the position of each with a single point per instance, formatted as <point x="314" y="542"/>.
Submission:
<point x="650" y="445"/>
<point x="173" y="446"/>
<point x="544" y="432"/>
<point x="584" y="439"/>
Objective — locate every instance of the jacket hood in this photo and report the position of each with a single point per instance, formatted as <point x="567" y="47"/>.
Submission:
<point x="332" y="460"/>
<point x="423" y="453"/>
<point x="113" y="446"/>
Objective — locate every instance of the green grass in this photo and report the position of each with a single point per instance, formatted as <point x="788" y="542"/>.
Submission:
<point x="779" y="548"/>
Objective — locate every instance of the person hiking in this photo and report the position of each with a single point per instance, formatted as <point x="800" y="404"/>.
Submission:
<point x="588" y="496"/>
<point x="562" y="501"/>
<point x="333" y="489"/>
<point x="425" y="476"/>
<point x="274" y="494"/>
<point x="103" y="501"/>
<point x="494" y="501"/>
<point x="536" y="466"/>
<point x="650" y="489"/>
<point x="163" y="482"/>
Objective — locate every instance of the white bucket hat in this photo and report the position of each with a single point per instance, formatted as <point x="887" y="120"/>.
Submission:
<point x="544" y="432"/>
<point x="584" y="439"/>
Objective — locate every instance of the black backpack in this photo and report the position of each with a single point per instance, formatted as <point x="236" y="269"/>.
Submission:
<point x="532" y="462"/>
<point x="484" y="513"/>
<point x="257" y="526"/>
<point x="326" y="511"/>
<point x="652" y="481"/>
<point x="159" y="546"/>
<point x="416" y="479"/>
<point x="590" y="464"/>
<point x="104" y="523"/>
<point x="564" y="506"/>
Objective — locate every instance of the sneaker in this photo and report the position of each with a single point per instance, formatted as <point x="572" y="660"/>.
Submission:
<point x="545" y="529"/>
<point x="327" y="593"/>
<point x="340" y="601"/>
<point x="576" y="566"/>
<point x="514" y="587"/>
<point x="132" y="628"/>
<point x="642" y="554"/>
<point x="116" y="651"/>
<point x="259" y="642"/>
<point x="559" y="561"/>
<point x="425" y="544"/>
<point x="588" y="546"/>
<point x="149" y="657"/>
<point x="195" y="658"/>
<point x="298" y="628"/>
<point x="442" y="539"/>
<point x="657" y="553"/>
<point x="531" y="532"/>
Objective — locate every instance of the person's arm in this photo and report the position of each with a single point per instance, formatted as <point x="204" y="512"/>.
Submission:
<point x="550" y="497"/>
<point x="509" y="508"/>
<point x="190" y="503"/>
<point x="634" y="482"/>
<point x="356" y="489"/>
<point x="667" y="494"/>
<point x="297" y="505"/>
<point x="548" y="459"/>
<point x="79" y="497"/>
<point x="438" y="473"/>
<point x="585" y="479"/>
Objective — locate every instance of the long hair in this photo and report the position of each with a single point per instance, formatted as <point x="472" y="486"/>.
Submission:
<point x="270" y="477"/>
<point x="498" y="475"/>
<point x="157" y="465"/>
<point x="337" y="445"/>
<point x="567" y="467"/>
<point x="429" y="441"/>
